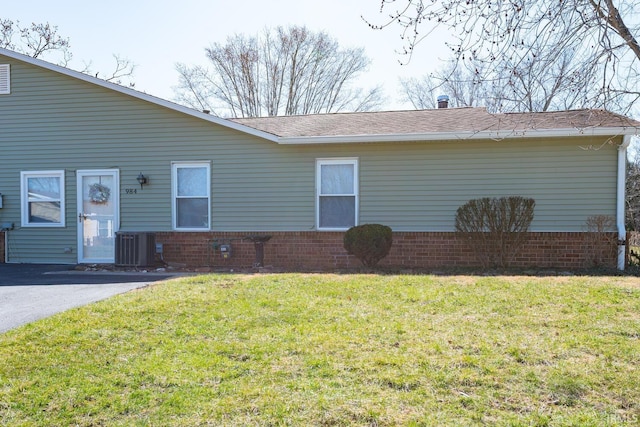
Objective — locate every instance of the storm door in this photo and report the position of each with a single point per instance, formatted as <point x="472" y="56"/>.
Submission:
<point x="98" y="215"/>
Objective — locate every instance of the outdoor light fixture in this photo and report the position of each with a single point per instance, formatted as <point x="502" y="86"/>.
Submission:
<point x="142" y="180"/>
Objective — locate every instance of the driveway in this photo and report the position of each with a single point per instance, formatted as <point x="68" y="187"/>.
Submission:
<point x="29" y="292"/>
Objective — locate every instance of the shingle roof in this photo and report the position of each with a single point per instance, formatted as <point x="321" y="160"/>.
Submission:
<point x="454" y="121"/>
<point x="420" y="125"/>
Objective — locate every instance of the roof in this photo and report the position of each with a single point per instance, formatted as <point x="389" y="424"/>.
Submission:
<point x="440" y="124"/>
<point x="388" y="126"/>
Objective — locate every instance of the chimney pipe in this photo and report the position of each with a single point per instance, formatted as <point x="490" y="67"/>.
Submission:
<point x="443" y="101"/>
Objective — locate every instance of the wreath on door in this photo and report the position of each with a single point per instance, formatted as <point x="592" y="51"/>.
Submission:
<point x="99" y="194"/>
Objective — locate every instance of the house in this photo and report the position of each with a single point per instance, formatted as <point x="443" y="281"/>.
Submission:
<point x="85" y="161"/>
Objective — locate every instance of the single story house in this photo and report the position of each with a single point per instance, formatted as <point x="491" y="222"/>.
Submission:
<point x="87" y="166"/>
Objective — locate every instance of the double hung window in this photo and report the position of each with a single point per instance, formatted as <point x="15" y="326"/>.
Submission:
<point x="191" y="188"/>
<point x="42" y="198"/>
<point x="337" y="193"/>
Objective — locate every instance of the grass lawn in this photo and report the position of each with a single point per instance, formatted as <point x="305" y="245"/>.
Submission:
<point x="334" y="350"/>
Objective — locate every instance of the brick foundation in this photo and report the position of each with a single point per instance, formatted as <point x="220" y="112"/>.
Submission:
<point x="420" y="250"/>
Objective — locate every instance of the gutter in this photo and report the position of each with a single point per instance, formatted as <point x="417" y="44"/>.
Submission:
<point x="452" y="136"/>
<point x="620" y="201"/>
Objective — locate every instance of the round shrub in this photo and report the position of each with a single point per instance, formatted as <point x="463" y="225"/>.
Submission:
<point x="368" y="242"/>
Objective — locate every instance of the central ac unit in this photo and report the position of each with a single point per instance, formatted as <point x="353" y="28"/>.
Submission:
<point x="135" y="249"/>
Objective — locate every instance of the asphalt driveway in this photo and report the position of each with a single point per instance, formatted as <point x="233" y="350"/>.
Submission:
<point x="29" y="292"/>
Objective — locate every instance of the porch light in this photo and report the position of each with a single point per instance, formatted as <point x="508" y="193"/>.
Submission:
<point x="142" y="180"/>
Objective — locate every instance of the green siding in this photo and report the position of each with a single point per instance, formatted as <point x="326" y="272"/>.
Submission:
<point x="421" y="186"/>
<point x="51" y="121"/>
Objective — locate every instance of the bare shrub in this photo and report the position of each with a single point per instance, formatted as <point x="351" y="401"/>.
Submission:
<point x="495" y="228"/>
<point x="601" y="240"/>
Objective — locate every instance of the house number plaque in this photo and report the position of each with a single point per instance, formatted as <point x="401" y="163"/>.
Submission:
<point x="131" y="190"/>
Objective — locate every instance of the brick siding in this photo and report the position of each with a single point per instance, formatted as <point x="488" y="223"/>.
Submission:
<point x="323" y="251"/>
<point x="420" y="250"/>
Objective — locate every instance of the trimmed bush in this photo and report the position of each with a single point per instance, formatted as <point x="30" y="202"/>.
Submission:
<point x="495" y="228"/>
<point x="368" y="242"/>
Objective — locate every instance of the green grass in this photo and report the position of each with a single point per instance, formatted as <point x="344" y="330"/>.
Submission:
<point x="334" y="350"/>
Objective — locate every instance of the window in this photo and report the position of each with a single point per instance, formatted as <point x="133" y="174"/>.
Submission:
<point x="5" y="80"/>
<point x="42" y="198"/>
<point x="337" y="194"/>
<point x="191" y="188"/>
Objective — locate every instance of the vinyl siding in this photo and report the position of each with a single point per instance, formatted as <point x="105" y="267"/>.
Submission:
<point x="52" y="122"/>
<point x="419" y="187"/>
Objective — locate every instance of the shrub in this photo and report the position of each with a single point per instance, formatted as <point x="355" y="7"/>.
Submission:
<point x="368" y="242"/>
<point x="601" y="240"/>
<point x="495" y="228"/>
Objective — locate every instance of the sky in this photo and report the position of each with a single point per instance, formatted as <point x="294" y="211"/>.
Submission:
<point x="155" y="35"/>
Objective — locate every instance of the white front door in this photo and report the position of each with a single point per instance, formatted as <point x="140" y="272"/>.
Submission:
<point x="98" y="215"/>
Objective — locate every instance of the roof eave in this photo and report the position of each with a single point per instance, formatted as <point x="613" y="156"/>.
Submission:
<point x="139" y="95"/>
<point x="461" y="136"/>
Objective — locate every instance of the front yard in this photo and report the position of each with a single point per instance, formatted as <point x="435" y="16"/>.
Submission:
<point x="342" y="350"/>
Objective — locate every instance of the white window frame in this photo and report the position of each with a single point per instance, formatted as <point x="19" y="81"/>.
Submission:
<point x="355" y="194"/>
<point x="5" y="77"/>
<point x="174" y="194"/>
<point x="24" y="197"/>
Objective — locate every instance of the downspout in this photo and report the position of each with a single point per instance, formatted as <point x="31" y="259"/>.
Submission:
<point x="620" y="201"/>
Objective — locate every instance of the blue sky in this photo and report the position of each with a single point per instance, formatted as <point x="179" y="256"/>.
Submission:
<point x="157" y="34"/>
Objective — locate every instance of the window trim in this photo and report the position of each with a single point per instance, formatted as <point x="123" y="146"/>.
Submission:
<point x="174" y="193"/>
<point x="24" y="198"/>
<point x="5" y="79"/>
<point x="356" y="188"/>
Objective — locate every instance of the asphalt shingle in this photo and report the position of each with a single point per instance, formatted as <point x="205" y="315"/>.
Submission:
<point x="445" y="120"/>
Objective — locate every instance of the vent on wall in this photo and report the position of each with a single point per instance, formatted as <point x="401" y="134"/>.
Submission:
<point x="135" y="249"/>
<point x="5" y="80"/>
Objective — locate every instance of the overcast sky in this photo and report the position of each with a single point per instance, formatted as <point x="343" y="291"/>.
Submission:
<point x="155" y="35"/>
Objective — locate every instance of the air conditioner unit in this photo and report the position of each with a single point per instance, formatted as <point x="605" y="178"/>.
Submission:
<point x="135" y="249"/>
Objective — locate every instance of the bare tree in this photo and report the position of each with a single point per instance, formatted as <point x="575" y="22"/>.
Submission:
<point x="465" y="87"/>
<point x="531" y="84"/>
<point x="632" y="193"/>
<point x="121" y="72"/>
<point x="536" y="83"/>
<point x="285" y="71"/>
<point x="599" y="35"/>
<point x="42" y="39"/>
<point x="34" y="40"/>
